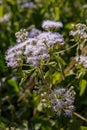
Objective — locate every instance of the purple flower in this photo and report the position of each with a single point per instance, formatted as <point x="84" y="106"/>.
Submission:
<point x="56" y="108"/>
<point x="48" y="25"/>
<point x="59" y="91"/>
<point x="68" y="112"/>
<point x="54" y="101"/>
<point x="34" y="33"/>
<point x="50" y="39"/>
<point x="33" y="47"/>
<point x="61" y="101"/>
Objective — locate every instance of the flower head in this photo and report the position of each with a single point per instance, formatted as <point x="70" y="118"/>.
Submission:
<point x="51" y="39"/>
<point x="49" y="25"/>
<point x="61" y="101"/>
<point x="33" y="47"/>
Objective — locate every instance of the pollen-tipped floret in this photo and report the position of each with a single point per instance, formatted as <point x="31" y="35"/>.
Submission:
<point x="21" y="36"/>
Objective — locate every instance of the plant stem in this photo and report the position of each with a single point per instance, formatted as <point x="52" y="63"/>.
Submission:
<point x="80" y="116"/>
<point x="62" y="51"/>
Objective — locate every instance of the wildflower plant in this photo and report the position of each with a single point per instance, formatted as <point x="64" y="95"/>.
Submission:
<point x="38" y="58"/>
<point x="37" y="52"/>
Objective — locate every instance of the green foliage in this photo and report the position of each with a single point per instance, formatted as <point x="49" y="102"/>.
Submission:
<point x="83" y="84"/>
<point x="12" y="87"/>
<point x="83" y="128"/>
<point x="1" y="11"/>
<point x="56" y="77"/>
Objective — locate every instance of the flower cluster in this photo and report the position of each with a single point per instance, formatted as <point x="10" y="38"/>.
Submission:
<point x="36" y="52"/>
<point x="50" y="39"/>
<point x="33" y="47"/>
<point x="79" y="31"/>
<point x="60" y="100"/>
<point x="81" y="60"/>
<point x="31" y="51"/>
<point x="49" y="25"/>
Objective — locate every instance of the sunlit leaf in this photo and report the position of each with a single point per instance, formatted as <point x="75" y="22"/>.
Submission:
<point x="12" y="86"/>
<point x="56" y="77"/>
<point x="61" y="61"/>
<point x="2" y="126"/>
<point x="57" y="13"/>
<point x="82" y="85"/>
<point x="1" y="11"/>
<point x="69" y="25"/>
<point x="83" y="128"/>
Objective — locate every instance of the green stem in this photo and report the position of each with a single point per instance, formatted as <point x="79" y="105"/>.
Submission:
<point x="62" y="51"/>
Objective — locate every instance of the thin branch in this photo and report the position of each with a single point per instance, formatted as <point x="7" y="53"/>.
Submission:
<point x="80" y="116"/>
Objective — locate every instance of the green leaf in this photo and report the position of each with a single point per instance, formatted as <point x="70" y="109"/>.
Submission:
<point x="2" y="126"/>
<point x="42" y="11"/>
<point x="68" y="25"/>
<point x="25" y="74"/>
<point x="83" y="128"/>
<point x="1" y="11"/>
<point x="82" y="85"/>
<point x="47" y="74"/>
<point x="12" y="86"/>
<point x="56" y="77"/>
<point x="57" y="13"/>
<point x="61" y="61"/>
